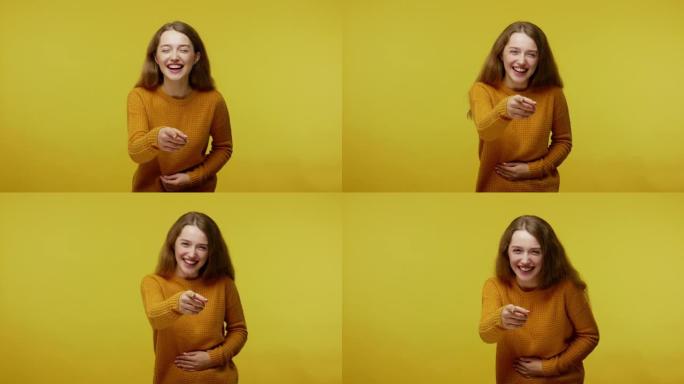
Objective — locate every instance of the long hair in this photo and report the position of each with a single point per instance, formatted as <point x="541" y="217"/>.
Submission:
<point x="218" y="259"/>
<point x="545" y="75"/>
<point x="200" y="75"/>
<point x="555" y="266"/>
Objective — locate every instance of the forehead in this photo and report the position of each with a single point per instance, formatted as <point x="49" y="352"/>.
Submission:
<point x="172" y="37"/>
<point x="193" y="233"/>
<point x="522" y="238"/>
<point x="521" y="40"/>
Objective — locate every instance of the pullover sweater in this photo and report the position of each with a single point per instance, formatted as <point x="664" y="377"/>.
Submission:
<point x="218" y="329"/>
<point x="199" y="115"/>
<point x="560" y="329"/>
<point x="520" y="140"/>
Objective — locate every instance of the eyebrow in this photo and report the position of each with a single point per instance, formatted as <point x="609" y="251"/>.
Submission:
<point x="190" y="241"/>
<point x="520" y="49"/>
<point x="171" y="45"/>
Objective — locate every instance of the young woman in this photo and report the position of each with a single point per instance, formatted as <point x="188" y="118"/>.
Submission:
<point x="516" y="103"/>
<point x="172" y="112"/>
<point x="193" y="306"/>
<point x="536" y="309"/>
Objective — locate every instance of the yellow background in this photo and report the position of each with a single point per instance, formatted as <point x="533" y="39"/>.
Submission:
<point x="415" y="264"/>
<point x="408" y="66"/>
<point x="71" y="266"/>
<point x="67" y="67"/>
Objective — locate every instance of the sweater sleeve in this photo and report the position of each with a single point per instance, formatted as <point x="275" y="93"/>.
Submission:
<point x="561" y="139"/>
<point x="490" y="119"/>
<point x="235" y="328"/>
<point x="221" y="145"/>
<point x="586" y="335"/>
<point x="142" y="141"/>
<point x="161" y="312"/>
<point x="491" y="329"/>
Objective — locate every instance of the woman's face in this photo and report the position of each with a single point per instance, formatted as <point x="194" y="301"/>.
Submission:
<point x="525" y="257"/>
<point x="175" y="56"/>
<point x="191" y="250"/>
<point x="519" y="58"/>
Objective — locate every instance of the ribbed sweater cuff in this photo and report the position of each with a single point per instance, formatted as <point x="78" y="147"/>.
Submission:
<point x="502" y="109"/>
<point x="152" y="138"/>
<point x="216" y="357"/>
<point x="536" y="169"/>
<point x="195" y="176"/>
<point x="172" y="304"/>
<point x="550" y="367"/>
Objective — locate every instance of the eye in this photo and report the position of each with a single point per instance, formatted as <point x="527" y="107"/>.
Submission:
<point x="202" y="248"/>
<point x="532" y="55"/>
<point x="184" y="51"/>
<point x="536" y="252"/>
<point x="516" y="250"/>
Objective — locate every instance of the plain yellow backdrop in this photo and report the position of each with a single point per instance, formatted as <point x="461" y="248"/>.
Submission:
<point x="408" y="66"/>
<point x="71" y="267"/>
<point x="67" y="67"/>
<point x="415" y="264"/>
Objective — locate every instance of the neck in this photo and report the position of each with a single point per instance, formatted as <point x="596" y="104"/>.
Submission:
<point x="515" y="87"/>
<point x="526" y="286"/>
<point x="177" y="89"/>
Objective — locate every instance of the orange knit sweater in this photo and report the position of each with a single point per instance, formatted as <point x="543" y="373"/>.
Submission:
<point x="522" y="140"/>
<point x="219" y="329"/>
<point x="560" y="329"/>
<point x="199" y="115"/>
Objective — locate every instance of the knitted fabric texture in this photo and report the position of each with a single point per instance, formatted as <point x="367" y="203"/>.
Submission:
<point x="199" y="115"/>
<point x="218" y="329"/>
<point x="520" y="140"/>
<point x="560" y="329"/>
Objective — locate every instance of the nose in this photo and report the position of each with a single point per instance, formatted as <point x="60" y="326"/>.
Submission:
<point x="174" y="54"/>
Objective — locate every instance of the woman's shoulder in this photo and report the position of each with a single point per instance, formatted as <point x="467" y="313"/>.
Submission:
<point x="569" y="288"/>
<point x="154" y="280"/>
<point x="551" y="91"/>
<point x="153" y="277"/>
<point x="212" y="94"/>
<point x="495" y="282"/>
<point x="478" y="85"/>
<point x="141" y="91"/>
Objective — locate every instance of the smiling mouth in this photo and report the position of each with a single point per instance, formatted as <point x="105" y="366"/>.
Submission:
<point x="190" y="262"/>
<point x="526" y="269"/>
<point x="175" y="67"/>
<point x="520" y="70"/>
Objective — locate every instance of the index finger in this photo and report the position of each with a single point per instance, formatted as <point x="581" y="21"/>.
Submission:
<point x="529" y="101"/>
<point x="180" y="134"/>
<point x="521" y="310"/>
<point x="200" y="298"/>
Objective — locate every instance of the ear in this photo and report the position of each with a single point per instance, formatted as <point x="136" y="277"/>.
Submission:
<point x="197" y="57"/>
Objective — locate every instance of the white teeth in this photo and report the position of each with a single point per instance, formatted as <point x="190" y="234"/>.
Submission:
<point x="173" y="66"/>
<point x="191" y="262"/>
<point x="526" y="269"/>
<point x="521" y="70"/>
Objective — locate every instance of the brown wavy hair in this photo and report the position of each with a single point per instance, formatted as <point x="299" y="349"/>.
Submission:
<point x="200" y="75"/>
<point x="218" y="259"/>
<point x="545" y="75"/>
<point x="556" y="266"/>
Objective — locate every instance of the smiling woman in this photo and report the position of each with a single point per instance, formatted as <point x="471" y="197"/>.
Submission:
<point x="536" y="308"/>
<point x="516" y="103"/>
<point x="193" y="306"/>
<point x="172" y="112"/>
